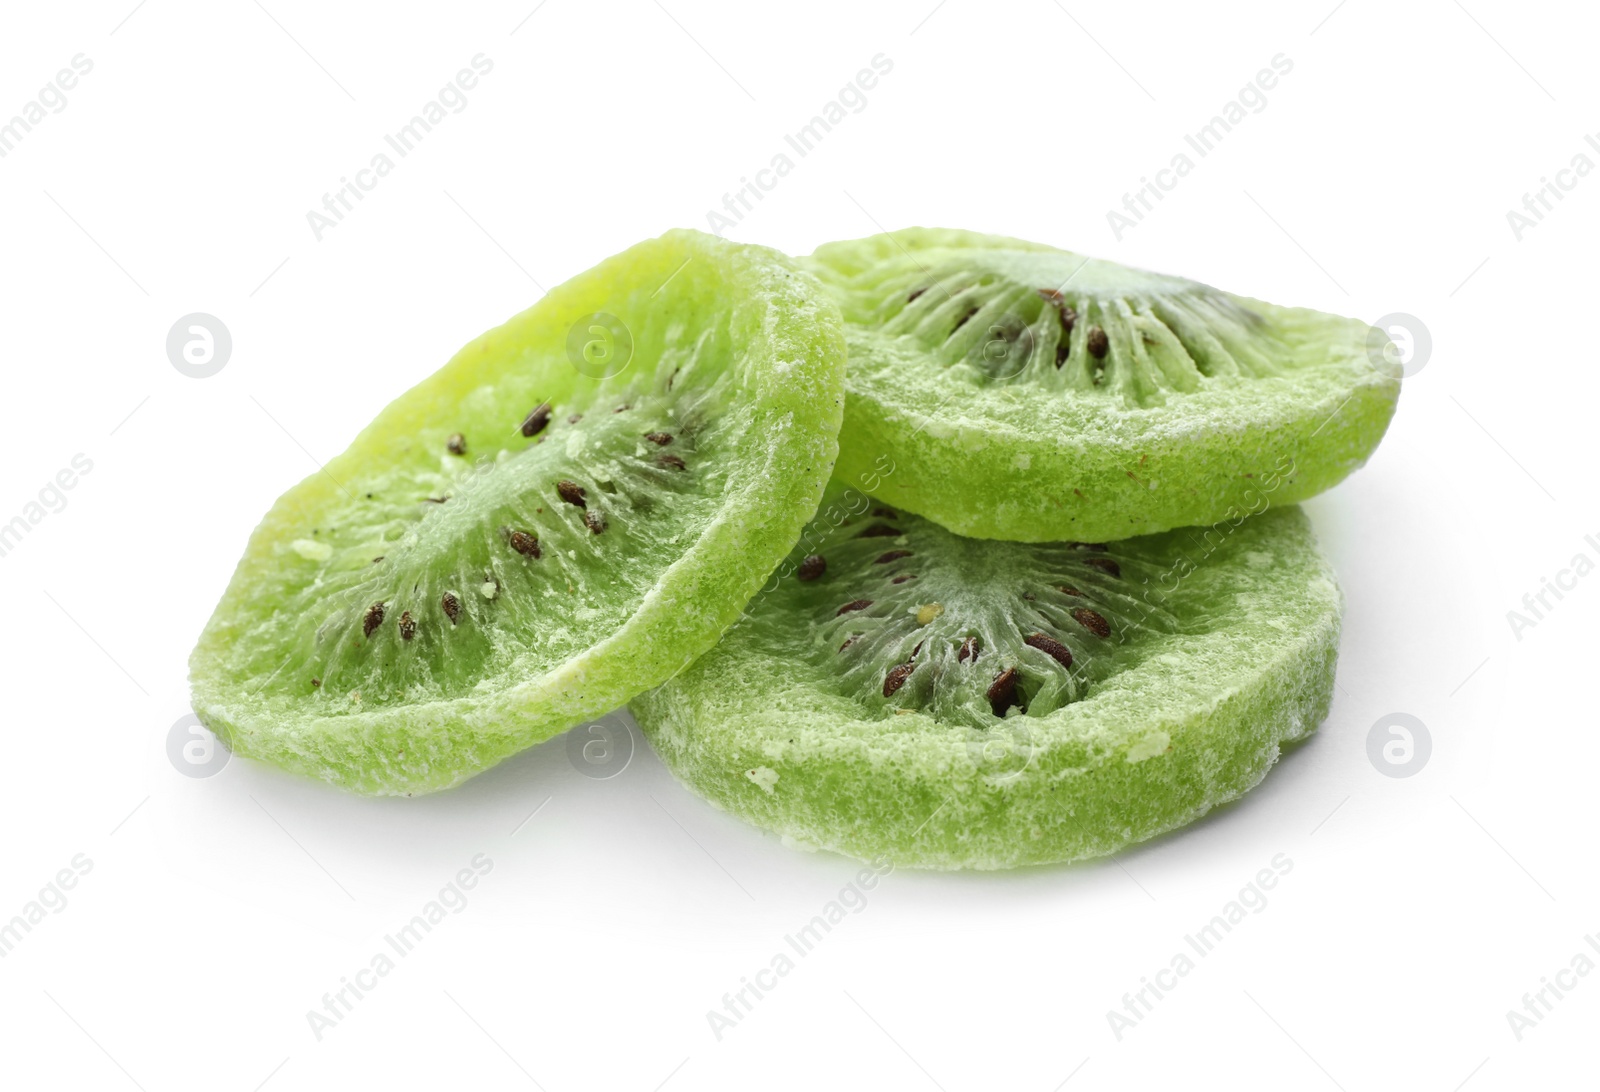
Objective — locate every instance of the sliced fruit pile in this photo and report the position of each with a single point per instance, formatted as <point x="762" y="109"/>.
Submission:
<point x="580" y="510"/>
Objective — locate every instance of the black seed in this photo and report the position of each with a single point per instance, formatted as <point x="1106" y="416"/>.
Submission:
<point x="886" y="513"/>
<point x="1002" y="693"/>
<point x="1068" y="589"/>
<point x="1105" y="565"/>
<point x="457" y="444"/>
<point x="1050" y="647"/>
<point x="968" y="650"/>
<point x="372" y="620"/>
<point x="316" y="682"/>
<point x="621" y="408"/>
<point x="812" y="567"/>
<point x="524" y="543"/>
<point x="896" y="678"/>
<point x="853" y="605"/>
<point x="671" y="461"/>
<point x="880" y="530"/>
<point x="572" y="493"/>
<point x="852" y="639"/>
<point x="662" y="438"/>
<point x="1063" y="349"/>
<point x="434" y="500"/>
<point x="904" y="578"/>
<point x="377" y="559"/>
<point x="1093" y="621"/>
<point x="534" y="423"/>
<point x="962" y="321"/>
<point x="595" y="520"/>
<point x="892" y="555"/>
<point x="1098" y="343"/>
<point x="452" y="607"/>
<point x="408" y="626"/>
<point x="914" y="294"/>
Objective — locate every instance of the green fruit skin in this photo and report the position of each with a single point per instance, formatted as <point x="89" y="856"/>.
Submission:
<point x="794" y="369"/>
<point x="906" y="789"/>
<point x="1030" y="466"/>
<point x="1072" y="487"/>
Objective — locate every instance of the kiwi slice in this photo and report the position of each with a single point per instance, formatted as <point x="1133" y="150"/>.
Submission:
<point x="948" y="702"/>
<point x="573" y="507"/>
<point x="1012" y="390"/>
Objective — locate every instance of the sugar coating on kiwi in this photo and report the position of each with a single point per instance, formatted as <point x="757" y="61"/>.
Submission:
<point x="952" y="703"/>
<point x="516" y="544"/>
<point x="1011" y="390"/>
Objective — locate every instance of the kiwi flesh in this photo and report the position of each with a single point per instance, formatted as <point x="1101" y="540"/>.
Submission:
<point x="1010" y="390"/>
<point x="533" y="535"/>
<point x="946" y="702"/>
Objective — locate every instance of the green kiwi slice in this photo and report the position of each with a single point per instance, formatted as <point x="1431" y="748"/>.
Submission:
<point x="1012" y="390"/>
<point x="574" y="506"/>
<point x="947" y="702"/>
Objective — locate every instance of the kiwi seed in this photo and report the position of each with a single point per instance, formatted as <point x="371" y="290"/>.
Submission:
<point x="457" y="444"/>
<point x="535" y="422"/>
<point x="572" y="493"/>
<point x="892" y="555"/>
<point x="372" y="620"/>
<point x="662" y="438"/>
<point x="595" y="520"/>
<point x="914" y="294"/>
<point x="408" y="626"/>
<point x="969" y="650"/>
<point x="524" y="543"/>
<point x="1093" y="621"/>
<point x="316" y="682"/>
<point x="1002" y="693"/>
<point x="1068" y="589"/>
<point x="885" y="513"/>
<point x="880" y="530"/>
<point x="452" y="607"/>
<point x="1098" y="343"/>
<point x="1105" y="565"/>
<point x="902" y="578"/>
<point x="962" y="321"/>
<point x="896" y="677"/>
<point x="1050" y="647"/>
<point x="670" y="461"/>
<point x="1053" y="295"/>
<point x="812" y="567"/>
<point x="853" y="605"/>
<point x="574" y="419"/>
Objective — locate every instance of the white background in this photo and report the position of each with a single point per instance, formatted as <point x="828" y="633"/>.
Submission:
<point x="219" y="911"/>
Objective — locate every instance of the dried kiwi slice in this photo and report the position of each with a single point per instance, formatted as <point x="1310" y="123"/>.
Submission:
<point x="1011" y="390"/>
<point x="574" y="506"/>
<point x="948" y="702"/>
